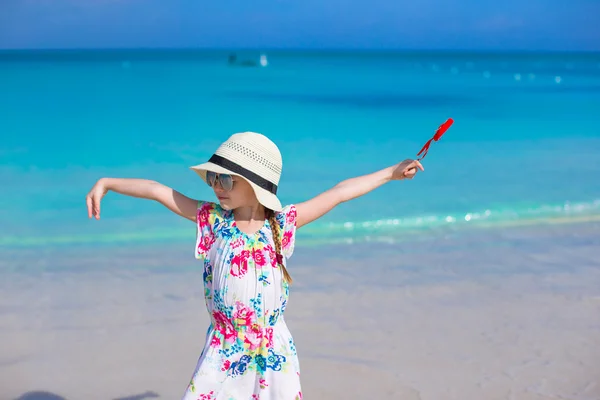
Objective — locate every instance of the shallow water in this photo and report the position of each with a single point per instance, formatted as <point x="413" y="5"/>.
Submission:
<point x="523" y="147"/>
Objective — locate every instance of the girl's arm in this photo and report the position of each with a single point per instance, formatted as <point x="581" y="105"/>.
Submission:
<point x="352" y="188"/>
<point x="142" y="188"/>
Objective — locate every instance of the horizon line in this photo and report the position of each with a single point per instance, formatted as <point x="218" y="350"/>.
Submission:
<point x="297" y="49"/>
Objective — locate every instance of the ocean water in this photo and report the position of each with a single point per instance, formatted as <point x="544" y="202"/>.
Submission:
<point x="524" y="148"/>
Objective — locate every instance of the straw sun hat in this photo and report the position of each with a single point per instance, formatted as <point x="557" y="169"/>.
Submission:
<point x="253" y="157"/>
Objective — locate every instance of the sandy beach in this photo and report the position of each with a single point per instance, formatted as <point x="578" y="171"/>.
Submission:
<point x="513" y="314"/>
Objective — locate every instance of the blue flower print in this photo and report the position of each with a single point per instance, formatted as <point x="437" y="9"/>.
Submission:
<point x="235" y="348"/>
<point x="264" y="279"/>
<point x="274" y="361"/>
<point x="207" y="273"/>
<point x="219" y="302"/>
<point x="239" y="367"/>
<point x="257" y="303"/>
<point x="261" y="363"/>
<point x="222" y="229"/>
<point x="262" y="238"/>
<point x="273" y="317"/>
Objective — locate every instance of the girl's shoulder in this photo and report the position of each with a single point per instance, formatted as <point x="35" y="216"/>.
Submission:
<point x="209" y="212"/>
<point x="210" y="207"/>
<point x="287" y="217"/>
<point x="211" y="221"/>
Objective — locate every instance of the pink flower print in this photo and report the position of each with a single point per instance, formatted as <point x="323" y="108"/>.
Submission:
<point x="254" y="336"/>
<point x="245" y="254"/>
<point x="224" y="326"/>
<point x="204" y="213"/>
<point x="207" y="396"/>
<point x="259" y="257"/>
<point x="243" y="314"/>
<point x="287" y="239"/>
<point x="263" y="383"/>
<point x="204" y="243"/>
<point x="291" y="216"/>
<point x="239" y="266"/>
<point x="226" y="365"/>
<point x="269" y="249"/>
<point x="255" y="397"/>
<point x="269" y="337"/>
<point x="215" y="342"/>
<point x="299" y="396"/>
<point x="237" y="243"/>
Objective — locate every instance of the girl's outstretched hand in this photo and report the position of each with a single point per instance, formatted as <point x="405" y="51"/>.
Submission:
<point x="94" y="197"/>
<point x="407" y="169"/>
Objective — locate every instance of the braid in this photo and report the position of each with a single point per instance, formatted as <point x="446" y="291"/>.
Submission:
<point x="277" y="241"/>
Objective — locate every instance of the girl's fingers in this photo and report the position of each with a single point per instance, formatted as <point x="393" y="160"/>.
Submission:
<point x="93" y="206"/>
<point x="88" y="201"/>
<point x="410" y="171"/>
<point x="418" y="165"/>
<point x="97" y="208"/>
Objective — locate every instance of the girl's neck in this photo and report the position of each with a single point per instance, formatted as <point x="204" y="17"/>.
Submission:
<point x="250" y="213"/>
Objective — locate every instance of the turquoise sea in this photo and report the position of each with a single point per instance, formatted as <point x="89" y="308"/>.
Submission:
<point x="524" y="148"/>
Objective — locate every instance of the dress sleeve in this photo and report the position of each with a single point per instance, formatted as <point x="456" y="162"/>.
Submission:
<point x="287" y="229"/>
<point x="205" y="217"/>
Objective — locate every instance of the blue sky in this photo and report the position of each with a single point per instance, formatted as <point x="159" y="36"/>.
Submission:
<point x="415" y="24"/>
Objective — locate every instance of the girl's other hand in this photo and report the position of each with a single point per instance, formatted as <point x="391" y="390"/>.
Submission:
<point x="407" y="169"/>
<point x="94" y="197"/>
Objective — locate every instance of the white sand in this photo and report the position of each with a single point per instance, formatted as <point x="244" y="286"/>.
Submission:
<point x="376" y="333"/>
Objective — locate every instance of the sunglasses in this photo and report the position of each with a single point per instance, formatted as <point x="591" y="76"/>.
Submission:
<point x="226" y="181"/>
<point x="437" y="136"/>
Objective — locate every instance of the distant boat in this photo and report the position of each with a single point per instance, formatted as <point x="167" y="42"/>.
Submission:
<point x="233" y="61"/>
<point x="263" y="60"/>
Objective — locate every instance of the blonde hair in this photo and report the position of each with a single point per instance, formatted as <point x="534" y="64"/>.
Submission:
<point x="277" y="241"/>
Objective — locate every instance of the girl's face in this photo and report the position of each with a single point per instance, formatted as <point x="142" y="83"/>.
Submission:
<point x="232" y="191"/>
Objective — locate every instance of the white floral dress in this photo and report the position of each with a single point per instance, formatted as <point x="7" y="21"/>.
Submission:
<point x="249" y="352"/>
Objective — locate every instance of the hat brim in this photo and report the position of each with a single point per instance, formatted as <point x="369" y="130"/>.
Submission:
<point x="264" y="197"/>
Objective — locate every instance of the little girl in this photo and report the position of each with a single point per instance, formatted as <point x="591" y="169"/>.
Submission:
<point x="244" y="241"/>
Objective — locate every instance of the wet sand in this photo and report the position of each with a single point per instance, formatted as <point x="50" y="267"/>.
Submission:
<point x="511" y="314"/>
